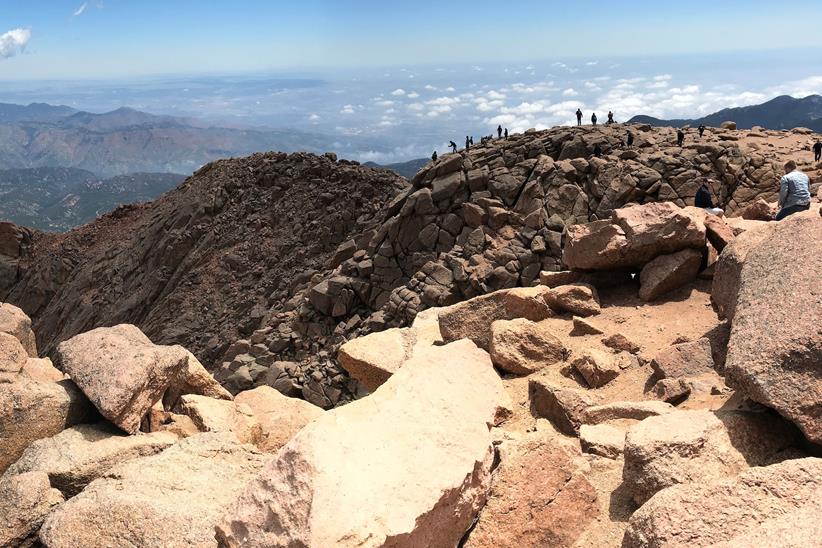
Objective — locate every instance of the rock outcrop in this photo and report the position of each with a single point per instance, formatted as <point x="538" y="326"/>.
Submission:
<point x="423" y="488"/>
<point x="25" y="501"/>
<point x="775" y="348"/>
<point x="776" y="505"/>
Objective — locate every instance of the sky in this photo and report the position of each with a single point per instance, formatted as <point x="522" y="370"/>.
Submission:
<point x="390" y="81"/>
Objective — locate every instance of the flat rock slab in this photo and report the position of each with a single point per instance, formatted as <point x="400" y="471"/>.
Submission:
<point x="410" y="464"/>
<point x="668" y="272"/>
<point x="777" y="505"/>
<point x="279" y="416"/>
<point x="76" y="456"/>
<point x="121" y="371"/>
<point x="170" y="499"/>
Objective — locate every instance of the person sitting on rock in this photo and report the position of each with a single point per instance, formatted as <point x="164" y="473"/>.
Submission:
<point x="630" y="139"/>
<point x="453" y="146"/>
<point x="506" y="133"/>
<point x="499" y="132"/>
<point x="434" y="156"/>
<point x="701" y="130"/>
<point x="817" y="151"/>
<point x="680" y="137"/>
<point x="794" y="191"/>
<point x="703" y="200"/>
<point x="610" y="118"/>
<point x="594" y="119"/>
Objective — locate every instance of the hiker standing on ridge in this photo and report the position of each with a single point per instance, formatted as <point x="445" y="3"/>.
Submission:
<point x="794" y="191"/>
<point x="701" y="130"/>
<point x="630" y="139"/>
<point x="817" y="151"/>
<point x="467" y="143"/>
<point x="434" y="156"/>
<point x="680" y="137"/>
<point x="499" y="132"/>
<point x="579" y="117"/>
<point x="506" y="133"/>
<point x="471" y="140"/>
<point x="594" y="119"/>
<point x="610" y="118"/>
<point x="453" y="146"/>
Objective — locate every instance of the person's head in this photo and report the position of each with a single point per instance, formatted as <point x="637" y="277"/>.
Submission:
<point x="790" y="165"/>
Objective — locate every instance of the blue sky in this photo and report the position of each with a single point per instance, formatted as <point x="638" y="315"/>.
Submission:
<point x="116" y="38"/>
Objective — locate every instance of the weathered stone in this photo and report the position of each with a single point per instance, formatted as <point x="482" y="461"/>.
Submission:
<point x="632" y="237"/>
<point x="684" y="359"/>
<point x="700" y="446"/>
<point x="12" y="358"/>
<point x="564" y="407"/>
<point x="777" y="505"/>
<point x="596" y="367"/>
<point x="634" y="410"/>
<point x="718" y="232"/>
<point x="78" y="455"/>
<point x="584" y="327"/>
<point x="522" y="347"/>
<point x="41" y="370"/>
<point x="620" y="343"/>
<point x="424" y="488"/>
<point x="775" y="348"/>
<point x="25" y="501"/>
<point x="578" y="299"/>
<point x="602" y="439"/>
<point x="173" y="498"/>
<point x="31" y="410"/>
<point x="279" y="416"/>
<point x="539" y="497"/>
<point x="668" y="272"/>
<point x="210" y="415"/>
<point x="121" y="371"/>
<point x="193" y="379"/>
<point x="760" y="210"/>
<point x="15" y="322"/>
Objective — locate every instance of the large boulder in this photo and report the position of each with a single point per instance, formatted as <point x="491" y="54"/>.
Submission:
<point x="725" y="285"/>
<point x="12" y="358"/>
<point x="193" y="379"/>
<point x="775" y="348"/>
<point x="169" y="499"/>
<point x="279" y="416"/>
<point x="15" y="322"/>
<point x="31" y="410"/>
<point x="632" y="237"/>
<point x="579" y="299"/>
<point x="668" y="272"/>
<point x="598" y="368"/>
<point x="687" y="359"/>
<point x="539" y="497"/>
<point x="210" y="415"/>
<point x="410" y="464"/>
<point x="472" y="319"/>
<point x="522" y="347"/>
<point x="564" y="407"/>
<point x="25" y="501"/>
<point x="78" y="455"/>
<point x="699" y="446"/>
<point x="121" y="371"/>
<point x="777" y="505"/>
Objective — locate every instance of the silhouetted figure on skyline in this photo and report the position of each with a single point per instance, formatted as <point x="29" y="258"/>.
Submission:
<point x="453" y="146"/>
<point x="701" y="130"/>
<point x="471" y="140"/>
<point x="597" y="150"/>
<point x="506" y="133"/>
<point x="610" y="117"/>
<point x="594" y="119"/>
<point x="680" y="137"/>
<point x="579" y="117"/>
<point x="630" y="139"/>
<point x="499" y="132"/>
<point x="434" y="156"/>
<point x="467" y="143"/>
<point x="817" y="151"/>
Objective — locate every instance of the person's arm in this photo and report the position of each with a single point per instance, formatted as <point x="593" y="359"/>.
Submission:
<point x="783" y="190"/>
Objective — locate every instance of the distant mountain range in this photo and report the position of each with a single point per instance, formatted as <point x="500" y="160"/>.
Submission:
<point x="406" y="169"/>
<point x="783" y="112"/>
<point x="59" y="198"/>
<point x="127" y="141"/>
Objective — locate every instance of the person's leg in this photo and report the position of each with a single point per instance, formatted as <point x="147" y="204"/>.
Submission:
<point x="787" y="211"/>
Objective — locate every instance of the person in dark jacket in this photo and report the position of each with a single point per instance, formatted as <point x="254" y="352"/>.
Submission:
<point x="594" y="119"/>
<point x="506" y="133"/>
<point x="630" y="139"/>
<point x="499" y="132"/>
<point x="597" y="150"/>
<point x="817" y="151"/>
<point x="701" y="130"/>
<point x="453" y="146"/>
<point x="703" y="200"/>
<point x="680" y="137"/>
<point x="434" y="156"/>
<point x="579" y="117"/>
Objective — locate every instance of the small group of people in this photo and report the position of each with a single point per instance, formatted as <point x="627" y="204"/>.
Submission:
<point x="794" y="194"/>
<point x="501" y="133"/>
<point x="594" y="118"/>
<point x="469" y="141"/>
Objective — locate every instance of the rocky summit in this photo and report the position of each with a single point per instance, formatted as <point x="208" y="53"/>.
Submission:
<point x="524" y="345"/>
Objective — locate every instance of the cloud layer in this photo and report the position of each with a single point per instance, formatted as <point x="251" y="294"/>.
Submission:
<point x="14" y="42"/>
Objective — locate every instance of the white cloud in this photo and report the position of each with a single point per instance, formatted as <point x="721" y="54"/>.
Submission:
<point x="663" y="77"/>
<point x="79" y="11"/>
<point x="592" y="63"/>
<point x="14" y="42"/>
<point x="429" y="87"/>
<point x="413" y="95"/>
<point x="416" y="106"/>
<point x="347" y="109"/>
<point x="399" y="92"/>
<point x="383" y="103"/>
<point x="445" y="100"/>
<point x="450" y="89"/>
<point x="314" y="117"/>
<point x="570" y="92"/>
